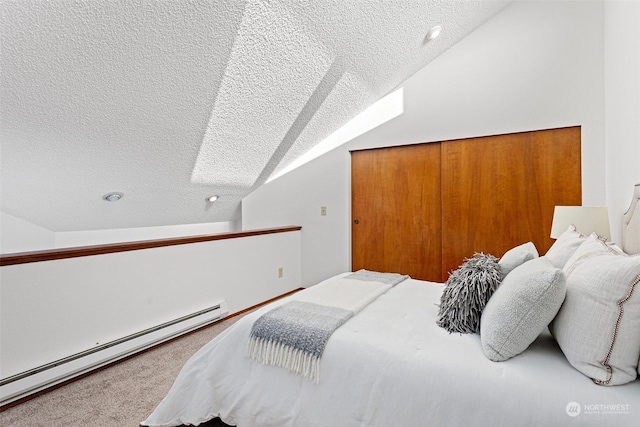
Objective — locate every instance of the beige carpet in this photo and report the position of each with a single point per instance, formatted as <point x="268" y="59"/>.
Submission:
<point x="119" y="396"/>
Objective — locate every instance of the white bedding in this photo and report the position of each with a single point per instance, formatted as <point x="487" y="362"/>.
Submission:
<point x="391" y="365"/>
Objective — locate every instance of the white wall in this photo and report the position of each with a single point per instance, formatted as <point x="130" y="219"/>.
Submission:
<point x="65" y="239"/>
<point x="622" y="100"/>
<point x="18" y="235"/>
<point x="53" y="309"/>
<point x="536" y="65"/>
<point x="296" y="198"/>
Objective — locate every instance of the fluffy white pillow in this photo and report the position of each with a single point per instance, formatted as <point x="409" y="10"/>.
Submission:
<point x="517" y="256"/>
<point x="521" y="308"/>
<point x="562" y="249"/>
<point x="598" y="326"/>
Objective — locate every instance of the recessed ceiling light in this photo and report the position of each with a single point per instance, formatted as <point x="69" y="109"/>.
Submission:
<point x="432" y="33"/>
<point x="112" y="197"/>
<point x="212" y="198"/>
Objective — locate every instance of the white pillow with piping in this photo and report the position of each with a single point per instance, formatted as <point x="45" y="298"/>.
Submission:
<point x="598" y="326"/>
<point x="564" y="246"/>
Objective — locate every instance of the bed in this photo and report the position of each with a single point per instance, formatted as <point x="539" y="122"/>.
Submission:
<point x="391" y="364"/>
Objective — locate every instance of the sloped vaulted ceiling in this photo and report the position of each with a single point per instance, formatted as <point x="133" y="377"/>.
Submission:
<point x="172" y="101"/>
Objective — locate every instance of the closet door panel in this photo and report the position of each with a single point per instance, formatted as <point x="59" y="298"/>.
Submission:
<point x="500" y="191"/>
<point x="396" y="223"/>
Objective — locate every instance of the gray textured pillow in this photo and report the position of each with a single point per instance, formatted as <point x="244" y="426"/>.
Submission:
<point x="598" y="326"/>
<point x="517" y="256"/>
<point x="521" y="308"/>
<point x="466" y="293"/>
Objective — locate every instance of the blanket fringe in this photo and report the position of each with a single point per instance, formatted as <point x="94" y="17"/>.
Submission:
<point x="277" y="354"/>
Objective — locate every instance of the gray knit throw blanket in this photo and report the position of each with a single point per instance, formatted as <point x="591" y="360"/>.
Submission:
<point x="294" y="334"/>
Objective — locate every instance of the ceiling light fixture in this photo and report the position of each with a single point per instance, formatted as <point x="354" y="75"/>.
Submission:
<point x="432" y="33"/>
<point x="212" y="198"/>
<point x="112" y="197"/>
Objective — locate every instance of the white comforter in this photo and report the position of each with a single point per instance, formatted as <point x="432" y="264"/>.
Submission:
<point x="391" y="365"/>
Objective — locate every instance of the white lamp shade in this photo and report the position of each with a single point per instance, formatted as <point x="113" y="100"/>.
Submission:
<point x="586" y="219"/>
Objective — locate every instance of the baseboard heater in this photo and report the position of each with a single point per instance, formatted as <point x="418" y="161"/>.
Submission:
<point x="25" y="383"/>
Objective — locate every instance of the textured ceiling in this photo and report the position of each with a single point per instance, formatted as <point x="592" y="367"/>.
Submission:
<point x="172" y="101"/>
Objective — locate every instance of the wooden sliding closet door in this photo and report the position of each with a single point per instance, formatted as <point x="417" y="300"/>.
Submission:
<point x="395" y="209"/>
<point x="500" y="191"/>
<point x="422" y="209"/>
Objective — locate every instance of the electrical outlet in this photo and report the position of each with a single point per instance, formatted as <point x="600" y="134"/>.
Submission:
<point x="323" y="210"/>
<point x="280" y="272"/>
